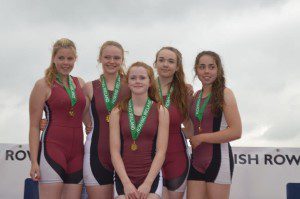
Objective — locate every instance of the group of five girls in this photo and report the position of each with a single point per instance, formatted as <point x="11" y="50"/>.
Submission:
<point x="135" y="146"/>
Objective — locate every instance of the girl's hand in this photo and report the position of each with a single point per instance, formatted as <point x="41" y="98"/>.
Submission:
<point x="130" y="191"/>
<point x="88" y="128"/>
<point x="196" y="139"/>
<point x="144" y="190"/>
<point x="190" y="90"/>
<point x="43" y="124"/>
<point x="35" y="172"/>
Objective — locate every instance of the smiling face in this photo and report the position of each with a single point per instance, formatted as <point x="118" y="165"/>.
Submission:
<point x="64" y="60"/>
<point x="207" y="70"/>
<point x="166" y="63"/>
<point x="111" y="59"/>
<point x="138" y="80"/>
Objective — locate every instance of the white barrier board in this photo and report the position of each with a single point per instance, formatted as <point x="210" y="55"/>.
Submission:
<point x="259" y="173"/>
<point x="14" y="169"/>
<point x="262" y="173"/>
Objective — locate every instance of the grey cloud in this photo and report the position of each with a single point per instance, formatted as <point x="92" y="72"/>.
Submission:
<point x="286" y="128"/>
<point x="120" y="12"/>
<point x="260" y="63"/>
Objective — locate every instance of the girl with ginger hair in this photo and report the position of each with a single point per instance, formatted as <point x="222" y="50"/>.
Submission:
<point x="139" y="137"/>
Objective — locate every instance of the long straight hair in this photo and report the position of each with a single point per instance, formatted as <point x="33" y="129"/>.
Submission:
<point x="179" y="95"/>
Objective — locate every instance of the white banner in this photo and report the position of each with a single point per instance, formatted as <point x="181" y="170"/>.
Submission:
<point x="259" y="173"/>
<point x="263" y="173"/>
<point x="14" y="169"/>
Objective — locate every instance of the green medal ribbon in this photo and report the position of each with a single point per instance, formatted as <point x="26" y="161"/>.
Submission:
<point x="200" y="109"/>
<point x="71" y="90"/>
<point x="168" y="98"/>
<point x="136" y="129"/>
<point x="110" y="103"/>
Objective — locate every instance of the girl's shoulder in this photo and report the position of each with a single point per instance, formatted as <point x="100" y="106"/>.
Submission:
<point x="228" y="96"/>
<point x="42" y="84"/>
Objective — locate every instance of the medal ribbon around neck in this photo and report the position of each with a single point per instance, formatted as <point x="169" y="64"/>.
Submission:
<point x="110" y="103"/>
<point x="136" y="129"/>
<point x="167" y="103"/>
<point x="200" y="109"/>
<point x="71" y="90"/>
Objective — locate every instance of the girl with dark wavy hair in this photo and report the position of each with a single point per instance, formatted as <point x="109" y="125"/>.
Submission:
<point x="216" y="122"/>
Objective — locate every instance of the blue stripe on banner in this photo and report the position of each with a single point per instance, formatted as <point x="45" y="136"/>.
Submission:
<point x="31" y="190"/>
<point x="293" y="190"/>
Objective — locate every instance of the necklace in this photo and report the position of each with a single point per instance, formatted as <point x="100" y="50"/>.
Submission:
<point x="110" y="102"/>
<point x="71" y="90"/>
<point x="167" y="103"/>
<point x="200" y="109"/>
<point x="136" y="129"/>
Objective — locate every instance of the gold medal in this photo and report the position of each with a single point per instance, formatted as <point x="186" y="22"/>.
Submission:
<point x="134" y="146"/>
<point x="107" y="118"/>
<point x="71" y="91"/>
<point x="72" y="112"/>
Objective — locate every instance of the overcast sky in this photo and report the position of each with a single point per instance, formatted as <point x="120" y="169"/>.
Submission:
<point x="257" y="40"/>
